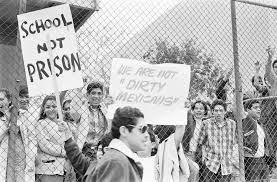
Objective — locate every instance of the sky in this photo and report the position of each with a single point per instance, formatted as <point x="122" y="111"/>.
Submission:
<point x="128" y="27"/>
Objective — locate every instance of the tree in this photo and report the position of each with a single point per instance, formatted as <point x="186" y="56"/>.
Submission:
<point x="205" y="70"/>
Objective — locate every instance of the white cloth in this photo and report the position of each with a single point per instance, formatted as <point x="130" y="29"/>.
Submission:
<point x="171" y="165"/>
<point x="148" y="169"/>
<point x="122" y="147"/>
<point x="261" y="139"/>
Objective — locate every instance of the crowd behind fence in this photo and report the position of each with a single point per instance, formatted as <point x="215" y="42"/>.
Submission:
<point x="228" y="101"/>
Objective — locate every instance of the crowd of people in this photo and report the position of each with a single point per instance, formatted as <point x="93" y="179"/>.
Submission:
<point x="84" y="145"/>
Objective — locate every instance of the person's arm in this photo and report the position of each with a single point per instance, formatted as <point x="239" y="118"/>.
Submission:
<point x="79" y="161"/>
<point x="3" y="130"/>
<point x="269" y="74"/>
<point x="46" y="145"/>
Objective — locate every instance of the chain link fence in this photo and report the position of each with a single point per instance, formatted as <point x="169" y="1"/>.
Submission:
<point x="194" y="32"/>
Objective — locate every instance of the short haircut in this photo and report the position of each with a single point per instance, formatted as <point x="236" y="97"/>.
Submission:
<point x="23" y="91"/>
<point x="274" y="62"/>
<point x="124" y="117"/>
<point x="201" y="102"/>
<point x="65" y="102"/>
<point x="94" y="85"/>
<point x="248" y="104"/>
<point x="164" y="131"/>
<point x="219" y="102"/>
<point x="105" y="141"/>
<point x="253" y="79"/>
<point x="7" y="93"/>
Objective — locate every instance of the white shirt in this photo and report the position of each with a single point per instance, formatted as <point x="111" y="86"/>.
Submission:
<point x="261" y="139"/>
<point x="148" y="169"/>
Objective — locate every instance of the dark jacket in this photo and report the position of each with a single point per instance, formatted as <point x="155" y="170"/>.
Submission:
<point x="80" y="162"/>
<point x="250" y="137"/>
<point x="115" y="167"/>
<point x="189" y="131"/>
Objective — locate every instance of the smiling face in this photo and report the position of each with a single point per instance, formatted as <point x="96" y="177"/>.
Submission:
<point x="50" y="109"/>
<point x="198" y="111"/>
<point x="95" y="97"/>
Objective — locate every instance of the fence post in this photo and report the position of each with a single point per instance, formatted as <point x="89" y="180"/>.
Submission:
<point x="238" y="84"/>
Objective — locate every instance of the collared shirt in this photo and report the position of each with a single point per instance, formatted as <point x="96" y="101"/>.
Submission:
<point x="220" y="138"/>
<point x="122" y="147"/>
<point x="97" y="126"/>
<point x="194" y="139"/>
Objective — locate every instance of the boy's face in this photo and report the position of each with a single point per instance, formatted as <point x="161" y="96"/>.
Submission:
<point x="95" y="97"/>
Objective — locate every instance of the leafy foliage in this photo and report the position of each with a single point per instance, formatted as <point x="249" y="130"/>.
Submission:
<point x="205" y="70"/>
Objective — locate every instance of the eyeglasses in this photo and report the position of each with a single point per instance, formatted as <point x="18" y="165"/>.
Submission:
<point x="142" y="129"/>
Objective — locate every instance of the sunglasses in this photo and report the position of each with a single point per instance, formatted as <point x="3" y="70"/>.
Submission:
<point x="142" y="129"/>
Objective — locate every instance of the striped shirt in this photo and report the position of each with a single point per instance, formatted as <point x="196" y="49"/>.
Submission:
<point x="218" y="140"/>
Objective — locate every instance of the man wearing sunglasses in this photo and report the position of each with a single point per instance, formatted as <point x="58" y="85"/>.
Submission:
<point x="120" y="163"/>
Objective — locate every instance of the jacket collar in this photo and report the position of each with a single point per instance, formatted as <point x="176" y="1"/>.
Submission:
<point x="122" y="147"/>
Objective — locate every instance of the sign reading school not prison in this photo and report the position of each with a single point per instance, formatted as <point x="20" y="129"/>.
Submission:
<point x="159" y="91"/>
<point x="56" y="23"/>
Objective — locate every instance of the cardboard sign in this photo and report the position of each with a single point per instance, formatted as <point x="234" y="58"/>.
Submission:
<point x="159" y="91"/>
<point x="56" y="23"/>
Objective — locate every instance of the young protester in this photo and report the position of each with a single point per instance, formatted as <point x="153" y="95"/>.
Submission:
<point x="51" y="154"/>
<point x="94" y="124"/>
<point x="257" y="144"/>
<point x="5" y="102"/>
<point x="120" y="163"/>
<point x="168" y="163"/>
<point x="195" y="122"/>
<point x="25" y="150"/>
<point x="218" y="137"/>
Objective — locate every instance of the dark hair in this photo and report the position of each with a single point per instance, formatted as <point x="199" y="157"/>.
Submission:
<point x="41" y="112"/>
<point x="248" y="104"/>
<point x="23" y="91"/>
<point x="274" y="62"/>
<point x="123" y="117"/>
<point x="65" y="102"/>
<point x="164" y="131"/>
<point x="105" y="141"/>
<point x="7" y="93"/>
<point x="201" y="102"/>
<point x="94" y="85"/>
<point x="253" y="79"/>
<point x="219" y="102"/>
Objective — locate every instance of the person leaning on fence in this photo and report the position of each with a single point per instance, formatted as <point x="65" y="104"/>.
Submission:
<point x="218" y="137"/>
<point x="257" y="145"/>
<point x="94" y="124"/>
<point x="195" y="121"/>
<point x="51" y="154"/>
<point x="5" y="103"/>
<point x="25" y="142"/>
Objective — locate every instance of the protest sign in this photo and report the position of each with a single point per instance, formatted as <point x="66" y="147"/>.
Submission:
<point x="56" y="23"/>
<point x="159" y="91"/>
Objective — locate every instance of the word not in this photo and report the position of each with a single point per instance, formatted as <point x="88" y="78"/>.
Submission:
<point x="53" y="45"/>
<point x="145" y="86"/>
<point x="63" y="63"/>
<point x="40" y="25"/>
<point x="149" y="99"/>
